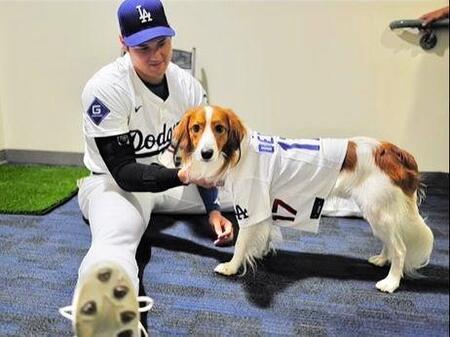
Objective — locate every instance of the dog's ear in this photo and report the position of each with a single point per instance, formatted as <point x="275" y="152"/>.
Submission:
<point x="181" y="140"/>
<point x="236" y="133"/>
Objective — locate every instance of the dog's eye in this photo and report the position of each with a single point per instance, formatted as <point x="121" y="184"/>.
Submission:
<point x="220" y="128"/>
<point x="195" y="128"/>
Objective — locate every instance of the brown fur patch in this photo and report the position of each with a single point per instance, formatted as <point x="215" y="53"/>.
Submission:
<point x="196" y="126"/>
<point x="399" y="165"/>
<point x="350" y="157"/>
<point x="236" y="132"/>
<point x="182" y="142"/>
<point x="220" y="126"/>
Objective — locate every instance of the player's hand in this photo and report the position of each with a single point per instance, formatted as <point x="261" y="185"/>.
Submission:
<point x="186" y="178"/>
<point x="183" y="175"/>
<point x="222" y="227"/>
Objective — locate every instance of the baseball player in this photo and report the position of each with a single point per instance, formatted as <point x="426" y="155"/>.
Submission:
<point x="130" y="108"/>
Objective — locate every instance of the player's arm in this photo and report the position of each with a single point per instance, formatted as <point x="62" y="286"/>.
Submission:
<point x="221" y="226"/>
<point x="118" y="154"/>
<point x="210" y="197"/>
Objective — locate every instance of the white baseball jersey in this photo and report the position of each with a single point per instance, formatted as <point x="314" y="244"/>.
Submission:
<point x="116" y="101"/>
<point x="286" y="180"/>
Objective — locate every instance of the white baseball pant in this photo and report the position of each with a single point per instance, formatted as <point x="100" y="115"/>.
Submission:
<point x="118" y="219"/>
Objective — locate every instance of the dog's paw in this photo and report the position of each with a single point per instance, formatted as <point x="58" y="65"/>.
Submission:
<point x="226" y="269"/>
<point x="378" y="260"/>
<point x="388" y="285"/>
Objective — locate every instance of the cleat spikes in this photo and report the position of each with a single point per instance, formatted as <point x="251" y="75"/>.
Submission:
<point x="127" y="316"/>
<point x="104" y="275"/>
<point x="89" y="308"/>
<point x="120" y="292"/>
<point x="105" y="304"/>
<point x="126" y="333"/>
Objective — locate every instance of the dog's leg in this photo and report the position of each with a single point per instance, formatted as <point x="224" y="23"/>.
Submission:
<point x="382" y="205"/>
<point x="251" y="243"/>
<point x="381" y="259"/>
<point x="240" y="252"/>
<point x="397" y="252"/>
<point x="385" y="224"/>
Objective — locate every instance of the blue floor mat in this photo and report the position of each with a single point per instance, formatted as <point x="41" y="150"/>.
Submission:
<point x="316" y="285"/>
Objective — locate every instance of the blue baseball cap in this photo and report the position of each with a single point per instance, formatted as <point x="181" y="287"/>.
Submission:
<point x="142" y="20"/>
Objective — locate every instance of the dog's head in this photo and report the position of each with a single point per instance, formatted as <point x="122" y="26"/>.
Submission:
<point x="210" y="136"/>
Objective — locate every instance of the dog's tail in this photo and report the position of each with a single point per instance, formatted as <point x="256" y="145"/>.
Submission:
<point x="418" y="239"/>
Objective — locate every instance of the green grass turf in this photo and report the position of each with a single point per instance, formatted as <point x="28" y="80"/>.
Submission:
<point x="36" y="189"/>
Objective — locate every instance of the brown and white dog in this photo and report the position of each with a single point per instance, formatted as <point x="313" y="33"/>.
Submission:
<point x="381" y="178"/>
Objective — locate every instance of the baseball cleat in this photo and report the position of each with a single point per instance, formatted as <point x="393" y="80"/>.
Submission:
<point x="105" y="304"/>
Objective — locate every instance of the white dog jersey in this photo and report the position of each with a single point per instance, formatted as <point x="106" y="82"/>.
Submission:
<point x="116" y="101"/>
<point x="286" y="180"/>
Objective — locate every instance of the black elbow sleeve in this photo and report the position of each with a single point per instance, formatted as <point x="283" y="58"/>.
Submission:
<point x="119" y="157"/>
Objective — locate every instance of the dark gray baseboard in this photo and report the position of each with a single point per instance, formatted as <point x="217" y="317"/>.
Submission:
<point x="2" y="156"/>
<point x="41" y="157"/>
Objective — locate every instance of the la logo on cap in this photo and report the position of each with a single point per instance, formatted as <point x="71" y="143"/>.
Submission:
<point x="144" y="15"/>
<point x="141" y="21"/>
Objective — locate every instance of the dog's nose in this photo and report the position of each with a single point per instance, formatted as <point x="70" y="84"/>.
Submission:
<point x="207" y="154"/>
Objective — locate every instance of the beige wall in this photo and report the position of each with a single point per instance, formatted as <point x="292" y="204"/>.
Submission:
<point x="2" y="132"/>
<point x="293" y="68"/>
<point x="2" y="38"/>
<point x="52" y="48"/>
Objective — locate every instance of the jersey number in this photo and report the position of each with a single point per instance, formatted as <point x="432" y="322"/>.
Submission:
<point x="287" y="146"/>
<point x="267" y="144"/>
<point x="280" y="203"/>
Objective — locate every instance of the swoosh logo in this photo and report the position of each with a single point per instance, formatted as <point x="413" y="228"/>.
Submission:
<point x="137" y="108"/>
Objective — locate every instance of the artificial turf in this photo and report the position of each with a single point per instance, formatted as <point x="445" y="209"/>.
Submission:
<point x="36" y="189"/>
